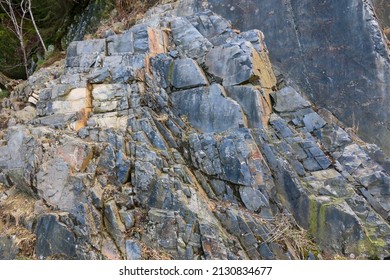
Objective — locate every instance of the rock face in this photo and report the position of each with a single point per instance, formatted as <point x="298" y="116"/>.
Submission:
<point x="335" y="51"/>
<point x="178" y="143"/>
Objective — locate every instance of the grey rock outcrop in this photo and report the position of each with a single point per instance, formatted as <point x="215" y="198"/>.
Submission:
<point x="346" y="72"/>
<point x="134" y="159"/>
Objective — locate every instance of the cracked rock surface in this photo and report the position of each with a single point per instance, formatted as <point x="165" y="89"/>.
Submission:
<point x="174" y="140"/>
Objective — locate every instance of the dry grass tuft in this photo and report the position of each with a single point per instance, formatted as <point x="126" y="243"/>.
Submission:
<point x="153" y="254"/>
<point x="286" y="232"/>
<point x="51" y="59"/>
<point x="15" y="211"/>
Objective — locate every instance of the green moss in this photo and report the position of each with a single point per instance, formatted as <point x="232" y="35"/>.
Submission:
<point x="369" y="245"/>
<point x="313" y="216"/>
<point x="4" y="94"/>
<point x="170" y="74"/>
<point x="322" y="221"/>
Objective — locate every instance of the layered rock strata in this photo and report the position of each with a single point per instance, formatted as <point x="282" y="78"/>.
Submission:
<point x="176" y="140"/>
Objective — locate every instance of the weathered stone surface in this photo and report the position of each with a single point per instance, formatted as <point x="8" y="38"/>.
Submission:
<point x="253" y="199"/>
<point x="233" y="64"/>
<point x="213" y="27"/>
<point x="289" y="100"/>
<point x="133" y="250"/>
<point x="207" y="108"/>
<point x="330" y="74"/>
<point x="17" y="158"/>
<point x="120" y="44"/>
<point x="85" y="54"/>
<point x="8" y="248"/>
<point x="253" y="103"/>
<point x="74" y="101"/>
<point x="54" y="238"/>
<point x="139" y="39"/>
<point x="187" y="74"/>
<point x="110" y="97"/>
<point x="127" y="218"/>
<point x="165" y="164"/>
<point x="114" y="225"/>
<point x="188" y="39"/>
<point x="313" y="122"/>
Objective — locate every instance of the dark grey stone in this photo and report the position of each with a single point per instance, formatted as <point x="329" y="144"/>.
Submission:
<point x="266" y="252"/>
<point x="233" y="161"/>
<point x="333" y="75"/>
<point x="323" y="161"/>
<point x="120" y="44"/>
<point x="253" y="199"/>
<point x="232" y="63"/>
<point x="311" y="164"/>
<point x="8" y="248"/>
<point x="219" y="187"/>
<point x="215" y="28"/>
<point x="99" y="76"/>
<point x="187" y="74"/>
<point x="256" y="37"/>
<point x="56" y="121"/>
<point x="60" y="90"/>
<point x="280" y="126"/>
<point x="133" y="250"/>
<point x="85" y="53"/>
<point x="207" y="109"/>
<point x="83" y="133"/>
<point x="141" y="38"/>
<point x="188" y="39"/>
<point x="45" y="94"/>
<point x="249" y="98"/>
<point x="162" y="69"/>
<point x="313" y="122"/>
<point x="114" y="225"/>
<point x="289" y="100"/>
<point x="334" y="137"/>
<point x="18" y="158"/>
<point x="54" y="238"/>
<point x="127" y="218"/>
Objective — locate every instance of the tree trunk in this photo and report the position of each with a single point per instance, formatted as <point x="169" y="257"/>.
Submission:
<point x="35" y="26"/>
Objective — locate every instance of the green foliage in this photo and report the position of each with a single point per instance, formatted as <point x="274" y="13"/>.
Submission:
<point x="52" y="18"/>
<point x="4" y="94"/>
<point x="11" y="62"/>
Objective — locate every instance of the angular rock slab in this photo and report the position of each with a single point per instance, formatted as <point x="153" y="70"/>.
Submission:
<point x="254" y="104"/>
<point x="110" y="97"/>
<point x="54" y="238"/>
<point x="212" y="26"/>
<point x="8" y="248"/>
<point x="139" y="39"/>
<point x="133" y="250"/>
<point x="253" y="199"/>
<point x="207" y="108"/>
<point x="188" y="39"/>
<point x="187" y="74"/>
<point x="84" y="53"/>
<point x="240" y="61"/>
<point x="72" y="102"/>
<point x="233" y="64"/>
<point x="289" y="100"/>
